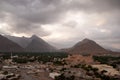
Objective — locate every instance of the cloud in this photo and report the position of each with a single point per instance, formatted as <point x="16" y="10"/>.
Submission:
<point x="61" y="21"/>
<point x="27" y="16"/>
<point x="95" y="5"/>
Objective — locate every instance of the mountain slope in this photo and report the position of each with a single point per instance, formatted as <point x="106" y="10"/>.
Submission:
<point x="22" y="41"/>
<point x="7" y="45"/>
<point x="39" y="45"/>
<point x="87" y="46"/>
<point x="32" y="44"/>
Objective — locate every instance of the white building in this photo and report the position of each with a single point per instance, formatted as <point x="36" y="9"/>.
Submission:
<point x="53" y="75"/>
<point x="10" y="67"/>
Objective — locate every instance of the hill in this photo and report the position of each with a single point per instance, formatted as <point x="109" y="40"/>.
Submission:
<point x="32" y="44"/>
<point x="22" y="41"/>
<point x="7" y="45"/>
<point x="87" y="46"/>
<point x="39" y="45"/>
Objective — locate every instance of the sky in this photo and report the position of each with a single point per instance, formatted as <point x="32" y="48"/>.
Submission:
<point x="63" y="23"/>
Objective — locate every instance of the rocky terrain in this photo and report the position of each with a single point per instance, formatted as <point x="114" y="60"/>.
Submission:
<point x="86" y="47"/>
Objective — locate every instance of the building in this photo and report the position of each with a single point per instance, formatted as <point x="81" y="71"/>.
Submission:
<point x="10" y="67"/>
<point x="53" y="75"/>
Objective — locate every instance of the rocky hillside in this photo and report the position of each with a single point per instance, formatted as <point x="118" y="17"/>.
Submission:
<point x="39" y="45"/>
<point x="87" y="46"/>
<point x="7" y="45"/>
<point x="32" y="44"/>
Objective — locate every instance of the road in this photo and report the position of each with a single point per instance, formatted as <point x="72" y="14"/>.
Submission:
<point x="25" y="76"/>
<point x="39" y="76"/>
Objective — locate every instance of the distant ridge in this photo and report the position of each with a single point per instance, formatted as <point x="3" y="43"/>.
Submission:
<point x="39" y="45"/>
<point x="22" y="41"/>
<point x="36" y="44"/>
<point x="7" y="45"/>
<point x="87" y="46"/>
<point x="32" y="44"/>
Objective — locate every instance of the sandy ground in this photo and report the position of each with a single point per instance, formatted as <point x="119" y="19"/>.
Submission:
<point x="39" y="76"/>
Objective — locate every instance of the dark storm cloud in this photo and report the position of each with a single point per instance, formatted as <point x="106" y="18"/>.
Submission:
<point x="51" y="11"/>
<point x="28" y="16"/>
<point x="43" y="11"/>
<point x="24" y="26"/>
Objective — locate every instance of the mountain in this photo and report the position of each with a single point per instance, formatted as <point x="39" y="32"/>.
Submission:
<point x="32" y="44"/>
<point x="7" y="45"/>
<point x="39" y="45"/>
<point x="87" y="46"/>
<point x="22" y="41"/>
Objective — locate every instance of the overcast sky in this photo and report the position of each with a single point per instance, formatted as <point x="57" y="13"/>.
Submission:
<point x="63" y="22"/>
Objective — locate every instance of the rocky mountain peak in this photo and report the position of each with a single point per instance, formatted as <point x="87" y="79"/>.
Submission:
<point x="34" y="37"/>
<point x="87" y="46"/>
